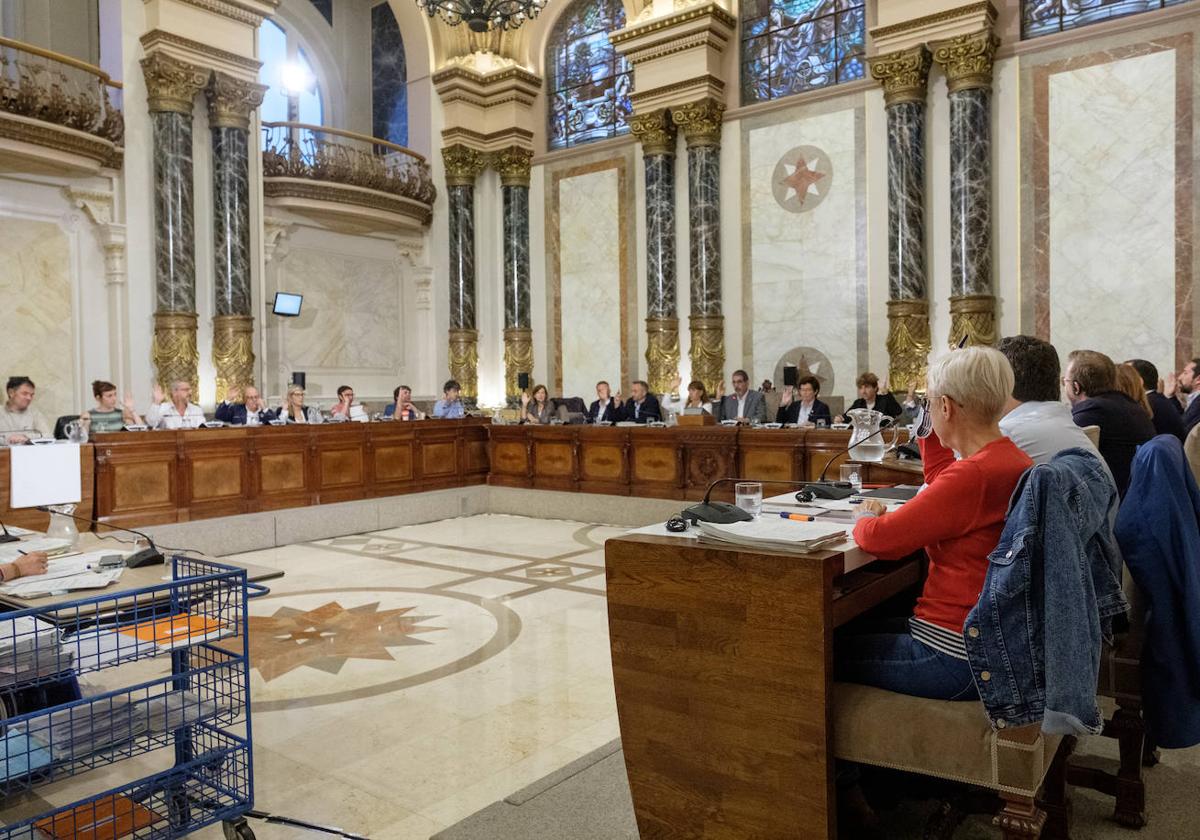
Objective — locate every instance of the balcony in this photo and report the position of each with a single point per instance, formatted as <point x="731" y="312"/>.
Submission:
<point x="346" y="181"/>
<point x="58" y="115"/>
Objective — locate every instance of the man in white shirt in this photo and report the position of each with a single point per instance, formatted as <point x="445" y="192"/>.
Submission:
<point x="1036" y="419"/>
<point x="19" y="420"/>
<point x="743" y="405"/>
<point x="177" y="413"/>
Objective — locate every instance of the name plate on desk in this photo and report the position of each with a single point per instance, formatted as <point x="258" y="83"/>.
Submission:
<point x="44" y="475"/>
<point x="701" y="419"/>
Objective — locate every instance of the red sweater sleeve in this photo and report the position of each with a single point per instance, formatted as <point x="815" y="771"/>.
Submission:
<point x="935" y="456"/>
<point x="949" y="507"/>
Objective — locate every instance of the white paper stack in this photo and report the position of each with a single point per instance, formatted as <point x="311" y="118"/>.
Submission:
<point x="774" y="532"/>
<point x="29" y="650"/>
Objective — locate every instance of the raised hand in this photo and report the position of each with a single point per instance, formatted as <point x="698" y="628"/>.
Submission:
<point x="789" y="391"/>
<point x="618" y="398"/>
<point x="128" y="402"/>
<point x="157" y="395"/>
<point x="233" y="394"/>
<point x="721" y="389"/>
<point x="524" y="399"/>
<point x="1172" y="384"/>
<point x="676" y="381"/>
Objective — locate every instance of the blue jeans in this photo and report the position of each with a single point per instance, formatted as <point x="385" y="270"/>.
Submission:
<point x="898" y="662"/>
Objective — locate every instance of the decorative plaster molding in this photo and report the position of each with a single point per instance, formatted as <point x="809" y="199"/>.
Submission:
<point x="984" y="8"/>
<point x="97" y="204"/>
<point x="669" y="21"/>
<point x="198" y="51"/>
<point x="462" y="164"/>
<point x="947" y="24"/>
<point x="275" y="235"/>
<point x="655" y="131"/>
<point x="513" y="165"/>
<point x="967" y="59"/>
<point x="27" y="130"/>
<point x="231" y="101"/>
<point x="700" y="121"/>
<point x="171" y="84"/>
<point x="904" y="74"/>
<point x="234" y="10"/>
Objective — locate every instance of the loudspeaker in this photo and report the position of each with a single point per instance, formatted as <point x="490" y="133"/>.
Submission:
<point x="298" y="378"/>
<point x="523" y="381"/>
<point x="790" y="375"/>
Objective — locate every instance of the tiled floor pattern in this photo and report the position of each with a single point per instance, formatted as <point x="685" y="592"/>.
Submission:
<point x="405" y="679"/>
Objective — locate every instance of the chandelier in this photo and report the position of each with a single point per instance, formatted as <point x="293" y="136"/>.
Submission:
<point x="482" y="15"/>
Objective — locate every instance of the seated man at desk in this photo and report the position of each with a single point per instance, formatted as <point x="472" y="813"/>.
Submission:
<point x="251" y="411"/>
<point x="957" y="519"/>
<point x="806" y="409"/>
<point x="743" y="405"/>
<point x="402" y="408"/>
<point x="107" y="416"/>
<point x="605" y="408"/>
<point x="643" y="406"/>
<point x="20" y="422"/>
<point x="450" y="407"/>
<point x="177" y="413"/>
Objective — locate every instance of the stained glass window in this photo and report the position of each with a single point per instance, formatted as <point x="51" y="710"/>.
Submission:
<point x="389" y="77"/>
<point x="1043" y="17"/>
<point x="588" y="82"/>
<point x="790" y="46"/>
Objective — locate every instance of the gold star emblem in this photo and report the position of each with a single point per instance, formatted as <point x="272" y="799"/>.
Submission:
<point x="327" y="636"/>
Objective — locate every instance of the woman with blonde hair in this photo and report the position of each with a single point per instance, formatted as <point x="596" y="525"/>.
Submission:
<point x="957" y="519"/>
<point x="295" y="411"/>
<point x="1129" y="382"/>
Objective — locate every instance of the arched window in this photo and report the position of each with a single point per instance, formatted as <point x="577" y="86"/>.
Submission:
<point x="1043" y="17"/>
<point x="389" y="77"/>
<point x="790" y="46"/>
<point x="287" y="73"/>
<point x="587" y="82"/>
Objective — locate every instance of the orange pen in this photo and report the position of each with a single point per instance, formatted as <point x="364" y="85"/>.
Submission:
<point x="798" y="517"/>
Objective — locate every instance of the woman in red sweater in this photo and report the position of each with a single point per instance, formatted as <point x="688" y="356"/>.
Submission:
<point x="957" y="519"/>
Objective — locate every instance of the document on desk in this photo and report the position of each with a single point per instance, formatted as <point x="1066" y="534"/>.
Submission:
<point x="65" y="574"/>
<point x="773" y="532"/>
<point x="11" y="551"/>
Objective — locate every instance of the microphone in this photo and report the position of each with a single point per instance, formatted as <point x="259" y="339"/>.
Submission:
<point x="724" y="513"/>
<point x="7" y="537"/>
<point x="145" y="557"/>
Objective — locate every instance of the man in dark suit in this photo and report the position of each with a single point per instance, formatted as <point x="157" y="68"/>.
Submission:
<point x="642" y="406"/>
<point x="606" y="408"/>
<point x="743" y="405"/>
<point x="253" y="411"/>
<point x="1186" y="387"/>
<point x="1167" y="419"/>
<point x="1091" y="385"/>
<point x="807" y="408"/>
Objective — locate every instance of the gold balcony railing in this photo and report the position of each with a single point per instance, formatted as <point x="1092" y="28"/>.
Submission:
<point x="300" y="150"/>
<point x="58" y="89"/>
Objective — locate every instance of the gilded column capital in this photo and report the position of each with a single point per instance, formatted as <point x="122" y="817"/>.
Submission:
<point x="967" y="59"/>
<point x="904" y="74"/>
<point x="973" y="317"/>
<point x="513" y="165"/>
<point x="655" y="131"/>
<point x="463" y="165"/>
<point x="700" y="121"/>
<point x="231" y="101"/>
<point x="171" y="84"/>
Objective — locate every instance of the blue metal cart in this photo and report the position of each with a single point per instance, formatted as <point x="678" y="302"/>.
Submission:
<point x="200" y="709"/>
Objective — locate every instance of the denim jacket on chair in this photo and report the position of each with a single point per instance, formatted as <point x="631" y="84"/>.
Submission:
<point x="1053" y="585"/>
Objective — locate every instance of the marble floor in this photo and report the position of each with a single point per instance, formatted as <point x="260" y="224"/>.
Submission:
<point x="404" y="679"/>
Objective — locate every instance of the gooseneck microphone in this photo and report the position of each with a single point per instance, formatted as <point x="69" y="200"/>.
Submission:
<point x="145" y="557"/>
<point x="7" y="537"/>
<point x="722" y="512"/>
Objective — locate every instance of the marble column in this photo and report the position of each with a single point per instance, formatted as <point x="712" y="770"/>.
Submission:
<point x="171" y="87"/>
<point x="231" y="101"/>
<point x="656" y="132"/>
<point x="904" y="76"/>
<point x="701" y="125"/>
<point x="967" y="62"/>
<point x="513" y="165"/>
<point x="463" y="165"/>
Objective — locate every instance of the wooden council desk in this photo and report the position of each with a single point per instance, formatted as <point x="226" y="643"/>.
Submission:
<point x="722" y="665"/>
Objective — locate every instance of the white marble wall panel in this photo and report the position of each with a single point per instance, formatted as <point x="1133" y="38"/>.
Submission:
<point x="1112" y="188"/>
<point x="590" y="281"/>
<point x="804" y="266"/>
<point x="37" y="336"/>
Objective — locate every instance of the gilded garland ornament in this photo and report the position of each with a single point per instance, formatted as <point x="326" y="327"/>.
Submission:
<point x="173" y="350"/>
<point x="662" y="352"/>
<point x="655" y="131"/>
<point x="973" y="316"/>
<point x="708" y="350"/>
<point x="483" y="15"/>
<point x="904" y="74"/>
<point x="908" y="343"/>
<point x="518" y="359"/>
<point x="464" y="361"/>
<point x="233" y="352"/>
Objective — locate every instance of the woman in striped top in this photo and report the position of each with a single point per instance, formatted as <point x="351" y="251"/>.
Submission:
<point x="956" y="519"/>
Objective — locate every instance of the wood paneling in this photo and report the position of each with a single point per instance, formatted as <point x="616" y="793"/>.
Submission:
<point x="34" y="519"/>
<point x="393" y="462"/>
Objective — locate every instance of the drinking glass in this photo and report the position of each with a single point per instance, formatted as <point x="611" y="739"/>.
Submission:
<point x="851" y="473"/>
<point x="748" y="496"/>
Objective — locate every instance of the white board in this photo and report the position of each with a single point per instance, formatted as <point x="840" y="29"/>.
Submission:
<point x="44" y="475"/>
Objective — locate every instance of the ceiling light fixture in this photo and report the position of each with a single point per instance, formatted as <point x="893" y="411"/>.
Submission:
<point x="483" y="15"/>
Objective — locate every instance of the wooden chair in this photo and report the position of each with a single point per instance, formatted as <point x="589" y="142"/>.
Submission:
<point x="955" y="741"/>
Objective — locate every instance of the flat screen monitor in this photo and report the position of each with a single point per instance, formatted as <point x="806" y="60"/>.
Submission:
<point x="287" y="304"/>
